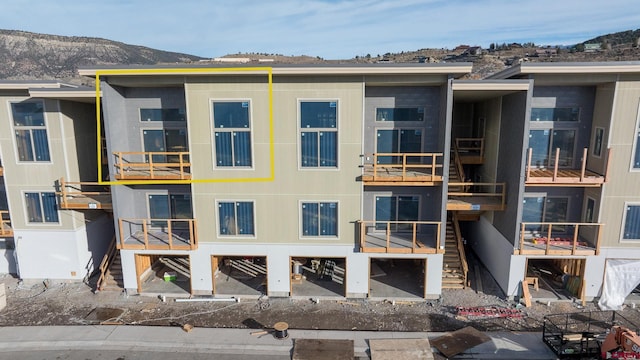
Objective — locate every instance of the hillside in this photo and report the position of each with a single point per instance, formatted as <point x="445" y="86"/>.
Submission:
<point x="26" y="55"/>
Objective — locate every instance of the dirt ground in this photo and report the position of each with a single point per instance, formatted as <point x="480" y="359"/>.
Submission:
<point x="47" y="303"/>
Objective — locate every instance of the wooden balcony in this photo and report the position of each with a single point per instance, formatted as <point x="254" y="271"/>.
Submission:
<point x="472" y="196"/>
<point x="157" y="234"/>
<point x="400" y="237"/>
<point x="555" y="238"/>
<point x="5" y="224"/>
<point x="556" y="176"/>
<point x="403" y="169"/>
<point x="152" y="165"/>
<point x="470" y="150"/>
<point x="83" y="195"/>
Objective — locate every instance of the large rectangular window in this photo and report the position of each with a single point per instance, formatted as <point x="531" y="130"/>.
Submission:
<point x="539" y="209"/>
<point x="232" y="134"/>
<point x="236" y="218"/>
<point x="173" y="206"/>
<point x="30" y="131"/>
<point x="631" y="223"/>
<point x="320" y="219"/>
<point x="544" y="144"/>
<point x="396" y="211"/>
<point x="555" y="114"/>
<point x="171" y="114"/>
<point x="41" y="207"/>
<point x="400" y="114"/>
<point x="318" y="134"/>
<point x="398" y="141"/>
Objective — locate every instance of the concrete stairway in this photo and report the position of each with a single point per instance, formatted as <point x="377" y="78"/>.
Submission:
<point x="113" y="276"/>
<point x="453" y="275"/>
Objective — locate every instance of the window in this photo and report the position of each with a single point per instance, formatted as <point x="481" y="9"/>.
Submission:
<point x="177" y="114"/>
<point x="236" y="218"/>
<point x="538" y="209"/>
<point x="320" y="219"/>
<point x="597" y="142"/>
<point x="631" y="223"/>
<point x="544" y="144"/>
<point x="398" y="141"/>
<point x="318" y="134"/>
<point x="589" y="210"/>
<point x="41" y="207"/>
<point x="394" y="209"/>
<point x="167" y="140"/>
<point x="31" y="131"/>
<point x="232" y="134"/>
<point x="400" y="114"/>
<point x="174" y="206"/>
<point x="555" y="114"/>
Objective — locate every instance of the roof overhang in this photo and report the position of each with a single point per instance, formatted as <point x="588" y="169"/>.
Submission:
<point x="477" y="90"/>
<point x="86" y="95"/>
<point x="613" y="67"/>
<point x="454" y="69"/>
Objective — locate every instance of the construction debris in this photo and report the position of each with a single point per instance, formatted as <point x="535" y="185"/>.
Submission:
<point x="187" y="327"/>
<point x="483" y="312"/>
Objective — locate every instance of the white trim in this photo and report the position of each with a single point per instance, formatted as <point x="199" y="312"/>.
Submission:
<point x="302" y="237"/>
<point x="26" y="213"/>
<point x="299" y="101"/>
<point x="636" y="142"/>
<point x="13" y="131"/>
<point x="624" y="221"/>
<point x="236" y="236"/>
<point x="213" y="130"/>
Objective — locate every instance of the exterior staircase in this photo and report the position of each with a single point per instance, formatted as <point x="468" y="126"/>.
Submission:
<point x="455" y="268"/>
<point x="113" y="280"/>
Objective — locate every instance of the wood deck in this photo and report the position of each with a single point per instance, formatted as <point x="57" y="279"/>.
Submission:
<point x="5" y="224"/>
<point x="474" y="203"/>
<point x="555" y="248"/>
<point x="155" y="174"/>
<point x="81" y="202"/>
<point x="157" y="240"/>
<point x="564" y="177"/>
<point x="400" y="243"/>
<point x="387" y="176"/>
<point x="157" y="234"/>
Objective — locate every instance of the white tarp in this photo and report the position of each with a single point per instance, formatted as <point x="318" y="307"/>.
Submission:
<point x="620" y="278"/>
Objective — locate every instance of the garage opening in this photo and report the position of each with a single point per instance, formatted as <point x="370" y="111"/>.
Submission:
<point x="163" y="274"/>
<point x="397" y="278"/>
<point x="555" y="279"/>
<point x="239" y="275"/>
<point x="311" y="276"/>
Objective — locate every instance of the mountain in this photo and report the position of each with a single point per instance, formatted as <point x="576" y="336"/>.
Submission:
<point x="26" y="55"/>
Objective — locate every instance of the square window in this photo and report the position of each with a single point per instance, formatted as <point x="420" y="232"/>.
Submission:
<point x="41" y="207"/>
<point x="319" y="219"/>
<point x="236" y="218"/>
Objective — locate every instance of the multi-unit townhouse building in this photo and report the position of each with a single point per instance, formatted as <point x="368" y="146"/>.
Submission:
<point x="352" y="180"/>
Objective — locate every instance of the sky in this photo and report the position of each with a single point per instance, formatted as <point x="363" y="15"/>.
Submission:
<point x="331" y="29"/>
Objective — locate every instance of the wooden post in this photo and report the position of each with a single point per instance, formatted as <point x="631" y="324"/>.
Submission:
<point x="599" y="235"/>
<point x="606" y="170"/>
<point x="362" y="235"/>
<point x="584" y="164"/>
<point x="404" y="167"/>
<point x="64" y="193"/>
<point x="414" y="237"/>
<point x="375" y="167"/>
<point x="439" y="228"/>
<point x="181" y="166"/>
<point x="120" y="164"/>
<point x="151" y="165"/>
<point x="575" y="239"/>
<point x="145" y="232"/>
<point x="192" y="234"/>
<point x="521" y="238"/>
<point x="529" y="164"/>
<point x="169" y="222"/>
<point x="548" y="239"/>
<point x="555" y="165"/>
<point x="121" y="233"/>
<point x="388" y="235"/>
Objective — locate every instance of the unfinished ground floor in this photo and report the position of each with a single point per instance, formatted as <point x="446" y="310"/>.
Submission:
<point x="254" y="270"/>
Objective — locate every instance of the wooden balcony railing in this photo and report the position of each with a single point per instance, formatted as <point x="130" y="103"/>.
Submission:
<point x="476" y="196"/>
<point x="460" y="245"/>
<point x="542" y="176"/>
<point x="83" y="195"/>
<point x="559" y="238"/>
<point x="403" y="169"/>
<point x="405" y="237"/>
<point x="470" y="150"/>
<point x="157" y="234"/>
<point x="5" y="224"/>
<point x="152" y="165"/>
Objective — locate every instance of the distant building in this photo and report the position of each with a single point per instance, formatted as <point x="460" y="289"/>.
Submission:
<point x="592" y="47"/>
<point x="473" y="50"/>
<point x="546" y="52"/>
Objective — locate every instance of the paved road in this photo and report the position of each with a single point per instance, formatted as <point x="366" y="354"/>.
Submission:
<point x="160" y="343"/>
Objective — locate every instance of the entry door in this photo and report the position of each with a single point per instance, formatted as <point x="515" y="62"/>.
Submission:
<point x="396" y="208"/>
<point x="166" y="140"/>
<point x="545" y="209"/>
<point x="544" y="144"/>
<point x="175" y="206"/>
<point x="398" y="141"/>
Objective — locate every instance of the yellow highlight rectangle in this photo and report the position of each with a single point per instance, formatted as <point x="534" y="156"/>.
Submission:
<point x="166" y="71"/>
